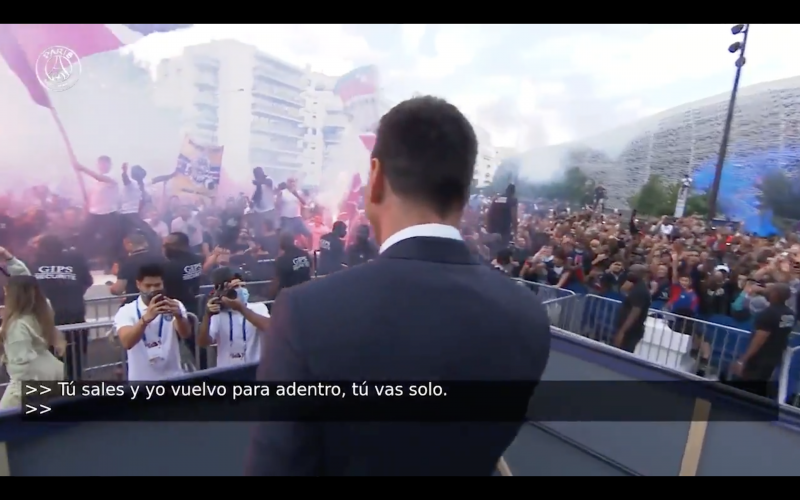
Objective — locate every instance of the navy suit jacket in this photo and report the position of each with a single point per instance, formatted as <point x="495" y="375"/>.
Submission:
<point x="423" y="310"/>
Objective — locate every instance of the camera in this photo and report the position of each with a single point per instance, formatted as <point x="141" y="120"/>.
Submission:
<point x="222" y="290"/>
<point x="138" y="174"/>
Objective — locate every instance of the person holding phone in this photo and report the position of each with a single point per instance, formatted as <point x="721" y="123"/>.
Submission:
<point x="149" y="327"/>
<point x="231" y="322"/>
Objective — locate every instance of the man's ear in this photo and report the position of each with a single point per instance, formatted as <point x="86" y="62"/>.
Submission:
<point x="376" y="184"/>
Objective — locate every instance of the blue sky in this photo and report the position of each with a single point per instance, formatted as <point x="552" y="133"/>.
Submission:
<point x="527" y="85"/>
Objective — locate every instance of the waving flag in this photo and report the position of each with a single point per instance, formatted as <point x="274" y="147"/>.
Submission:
<point x="22" y="44"/>
<point x="359" y="91"/>
<point x="368" y="140"/>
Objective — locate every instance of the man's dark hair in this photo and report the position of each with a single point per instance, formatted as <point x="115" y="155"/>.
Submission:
<point x="104" y="159"/>
<point x="779" y="293"/>
<point x="222" y="275"/>
<point x="339" y="229"/>
<point x="511" y="189"/>
<point x="504" y="256"/>
<point x="50" y="244"/>
<point x="181" y="240"/>
<point x="286" y="240"/>
<point x="136" y="238"/>
<point x="427" y="150"/>
<point x="150" y="271"/>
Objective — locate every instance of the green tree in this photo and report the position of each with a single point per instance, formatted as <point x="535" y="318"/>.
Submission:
<point x="778" y="195"/>
<point x="657" y="197"/>
<point x="573" y="187"/>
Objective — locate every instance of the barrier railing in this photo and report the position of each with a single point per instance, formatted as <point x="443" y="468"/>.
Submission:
<point x="545" y="292"/>
<point x="94" y="353"/>
<point x="689" y="345"/>
<point x="686" y="344"/>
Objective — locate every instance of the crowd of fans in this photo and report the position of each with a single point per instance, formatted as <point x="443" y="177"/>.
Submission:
<point x="695" y="269"/>
<point x="688" y="266"/>
<point x="276" y="236"/>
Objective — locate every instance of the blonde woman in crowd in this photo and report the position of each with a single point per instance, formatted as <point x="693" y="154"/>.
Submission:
<point x="27" y="333"/>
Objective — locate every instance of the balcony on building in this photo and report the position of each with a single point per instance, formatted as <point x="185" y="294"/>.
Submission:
<point x="206" y="64"/>
<point x="277" y="128"/>
<point x="282" y="95"/>
<point x="206" y="98"/>
<point x="210" y="126"/>
<point x="273" y="71"/>
<point x="332" y="135"/>
<point x="273" y="109"/>
<point x="336" y="119"/>
<point x="276" y="146"/>
<point x="290" y="163"/>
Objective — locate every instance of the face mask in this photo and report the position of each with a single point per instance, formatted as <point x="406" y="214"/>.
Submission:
<point x="148" y="296"/>
<point x="243" y="294"/>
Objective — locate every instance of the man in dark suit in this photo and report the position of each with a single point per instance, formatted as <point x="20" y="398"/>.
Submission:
<point x="423" y="310"/>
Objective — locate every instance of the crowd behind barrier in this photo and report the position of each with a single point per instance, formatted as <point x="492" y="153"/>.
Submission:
<point x="668" y="338"/>
<point x="103" y="358"/>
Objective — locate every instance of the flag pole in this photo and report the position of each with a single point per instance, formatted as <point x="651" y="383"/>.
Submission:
<point x="73" y="159"/>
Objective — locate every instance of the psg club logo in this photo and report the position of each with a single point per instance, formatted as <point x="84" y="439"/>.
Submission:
<point x="58" y="68"/>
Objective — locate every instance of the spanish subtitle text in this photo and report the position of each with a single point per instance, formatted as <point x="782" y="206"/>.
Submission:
<point x="148" y="392"/>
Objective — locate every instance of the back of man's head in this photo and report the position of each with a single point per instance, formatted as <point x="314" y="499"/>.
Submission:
<point x="178" y="241"/>
<point x="426" y="149"/>
<point x="136" y="240"/>
<point x="50" y="245"/>
<point x="286" y="240"/>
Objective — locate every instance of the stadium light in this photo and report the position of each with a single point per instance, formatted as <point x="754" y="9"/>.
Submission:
<point x="736" y="47"/>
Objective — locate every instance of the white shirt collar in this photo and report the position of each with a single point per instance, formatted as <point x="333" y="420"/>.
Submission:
<point x="429" y="230"/>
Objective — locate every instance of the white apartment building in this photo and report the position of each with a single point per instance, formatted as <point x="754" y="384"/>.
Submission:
<point x="329" y="126"/>
<point x="488" y="159"/>
<point x="328" y="121"/>
<point x="256" y="106"/>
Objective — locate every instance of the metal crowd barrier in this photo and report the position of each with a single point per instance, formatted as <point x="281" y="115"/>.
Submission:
<point x="669" y="340"/>
<point x="545" y="292"/>
<point x="673" y="341"/>
<point x="93" y="353"/>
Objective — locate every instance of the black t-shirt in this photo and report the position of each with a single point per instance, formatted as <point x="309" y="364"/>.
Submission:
<point x="500" y="212"/>
<point x="360" y="253"/>
<point x="778" y="320"/>
<point x="270" y="243"/>
<point x="262" y="267"/>
<point x="331" y="254"/>
<point x="612" y="282"/>
<point x="182" y="279"/>
<point x="716" y="299"/>
<point x="637" y="297"/>
<point x="293" y="268"/>
<point x="64" y="279"/>
<point x="129" y="269"/>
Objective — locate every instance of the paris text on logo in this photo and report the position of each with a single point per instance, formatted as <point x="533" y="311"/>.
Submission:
<point x="58" y="68"/>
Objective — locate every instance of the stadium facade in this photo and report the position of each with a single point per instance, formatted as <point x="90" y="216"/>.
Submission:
<point x="685" y="140"/>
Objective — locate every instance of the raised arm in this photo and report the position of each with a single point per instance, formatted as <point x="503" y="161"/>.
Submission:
<point x="14" y="266"/>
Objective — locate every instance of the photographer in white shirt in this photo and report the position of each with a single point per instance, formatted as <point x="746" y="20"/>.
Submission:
<point x="147" y="328"/>
<point x="231" y="322"/>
